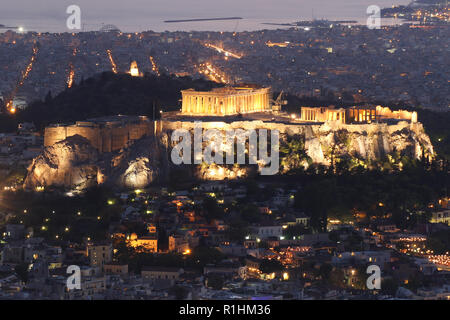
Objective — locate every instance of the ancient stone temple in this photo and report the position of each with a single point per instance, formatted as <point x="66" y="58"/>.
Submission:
<point x="225" y="101"/>
<point x="322" y="114"/>
<point x="362" y="114"/>
<point x="355" y="114"/>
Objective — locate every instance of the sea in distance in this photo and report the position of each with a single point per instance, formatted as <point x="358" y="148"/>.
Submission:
<point x="255" y="16"/>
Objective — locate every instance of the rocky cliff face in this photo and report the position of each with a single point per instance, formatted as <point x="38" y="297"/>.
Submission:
<point x="69" y="163"/>
<point x="74" y="164"/>
<point x="366" y="142"/>
<point x="135" y="167"/>
<point x="303" y="145"/>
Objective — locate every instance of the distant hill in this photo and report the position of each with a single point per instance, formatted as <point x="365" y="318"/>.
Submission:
<point x="111" y="94"/>
<point x="430" y="1"/>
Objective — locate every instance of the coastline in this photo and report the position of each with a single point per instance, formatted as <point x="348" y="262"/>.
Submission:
<point x="244" y="25"/>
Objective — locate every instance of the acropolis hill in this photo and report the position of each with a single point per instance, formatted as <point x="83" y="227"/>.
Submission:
<point x="133" y="152"/>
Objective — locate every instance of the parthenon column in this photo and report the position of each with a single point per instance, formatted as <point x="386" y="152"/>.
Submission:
<point x="205" y="104"/>
<point x="210" y="105"/>
<point x="261" y="102"/>
<point x="197" y="105"/>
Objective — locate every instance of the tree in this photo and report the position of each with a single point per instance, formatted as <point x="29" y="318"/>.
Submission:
<point x="415" y="281"/>
<point x="336" y="278"/>
<point x="211" y="209"/>
<point x="22" y="271"/>
<point x="203" y="255"/>
<point x="215" y="281"/>
<point x="439" y="242"/>
<point x="316" y="199"/>
<point x="238" y="230"/>
<point x="269" y="266"/>
<point x="252" y="188"/>
<point x="354" y="242"/>
<point x="179" y="292"/>
<point x="251" y="213"/>
<point x="325" y="271"/>
<point x="48" y="97"/>
<point x="124" y="252"/>
<point x="389" y="286"/>
<point x="334" y="236"/>
<point x="293" y="153"/>
<point x="295" y="231"/>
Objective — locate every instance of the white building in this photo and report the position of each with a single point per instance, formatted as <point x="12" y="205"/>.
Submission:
<point x="264" y="232"/>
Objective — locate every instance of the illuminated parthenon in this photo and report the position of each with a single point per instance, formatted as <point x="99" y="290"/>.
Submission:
<point x="225" y="101"/>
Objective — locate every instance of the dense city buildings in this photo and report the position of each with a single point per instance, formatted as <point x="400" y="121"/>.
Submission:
<point x="349" y="63"/>
<point x="107" y="191"/>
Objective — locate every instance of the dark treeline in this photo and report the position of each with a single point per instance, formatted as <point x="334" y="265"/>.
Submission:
<point x="50" y="213"/>
<point x="107" y="94"/>
<point x="437" y="126"/>
<point x="404" y="196"/>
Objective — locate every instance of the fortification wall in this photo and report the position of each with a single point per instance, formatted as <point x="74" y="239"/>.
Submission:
<point x="139" y="130"/>
<point x="90" y="133"/>
<point x="119" y="137"/>
<point x="104" y="139"/>
<point x="54" y="135"/>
